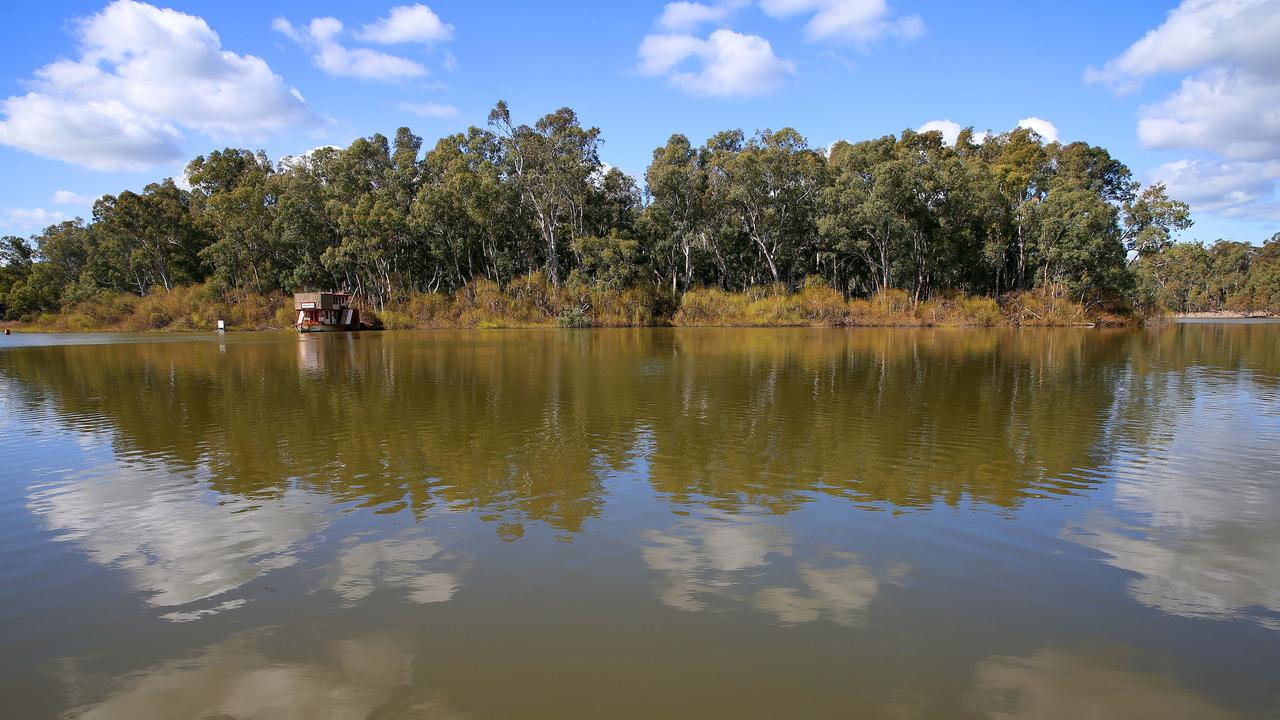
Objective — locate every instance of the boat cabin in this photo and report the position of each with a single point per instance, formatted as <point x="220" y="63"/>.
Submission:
<point x="325" y="312"/>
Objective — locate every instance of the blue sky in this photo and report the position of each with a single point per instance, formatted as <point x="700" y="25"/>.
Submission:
<point x="98" y="98"/>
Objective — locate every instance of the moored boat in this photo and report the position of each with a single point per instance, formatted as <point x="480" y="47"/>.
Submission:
<point x="325" y="312"/>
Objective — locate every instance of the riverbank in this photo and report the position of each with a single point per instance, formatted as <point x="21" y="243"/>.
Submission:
<point x="531" y="302"/>
<point x="1224" y="315"/>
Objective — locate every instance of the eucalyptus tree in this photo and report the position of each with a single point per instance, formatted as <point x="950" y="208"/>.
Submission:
<point x="302" y="226"/>
<point x="231" y="194"/>
<point x="1151" y="218"/>
<point x="1020" y="167"/>
<point x="767" y="188"/>
<point x="16" y="258"/>
<point x="551" y="164"/>
<point x="370" y="197"/>
<point x="1074" y="240"/>
<point x="675" y="218"/>
<point x="147" y="240"/>
<point x="470" y="221"/>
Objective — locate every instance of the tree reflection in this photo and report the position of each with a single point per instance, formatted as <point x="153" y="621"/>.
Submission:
<point x="528" y="426"/>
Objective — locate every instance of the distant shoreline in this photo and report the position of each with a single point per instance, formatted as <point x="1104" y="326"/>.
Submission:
<point x="1225" y="315"/>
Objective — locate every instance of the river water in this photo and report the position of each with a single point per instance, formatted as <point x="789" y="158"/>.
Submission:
<point x="658" y="523"/>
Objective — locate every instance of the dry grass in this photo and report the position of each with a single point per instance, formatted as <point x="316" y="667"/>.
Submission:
<point x="1044" y="308"/>
<point x="819" y="305"/>
<point x="530" y="301"/>
<point x="193" y="307"/>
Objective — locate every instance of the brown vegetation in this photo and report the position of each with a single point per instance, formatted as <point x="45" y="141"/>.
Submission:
<point x="191" y="307"/>
<point x="531" y="301"/>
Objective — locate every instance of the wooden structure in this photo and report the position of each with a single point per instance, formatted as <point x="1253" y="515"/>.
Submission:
<point x="325" y="312"/>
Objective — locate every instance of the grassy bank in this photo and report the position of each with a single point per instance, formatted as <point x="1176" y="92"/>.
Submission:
<point x="192" y="307"/>
<point x="532" y="302"/>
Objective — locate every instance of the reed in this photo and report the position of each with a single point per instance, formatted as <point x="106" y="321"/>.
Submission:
<point x="531" y="301"/>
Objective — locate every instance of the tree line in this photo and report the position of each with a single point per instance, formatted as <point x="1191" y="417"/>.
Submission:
<point x="1225" y="276"/>
<point x="382" y="219"/>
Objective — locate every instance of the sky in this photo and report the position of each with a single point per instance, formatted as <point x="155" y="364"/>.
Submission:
<point x="100" y="97"/>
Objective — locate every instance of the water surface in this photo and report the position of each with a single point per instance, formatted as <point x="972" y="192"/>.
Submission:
<point x="642" y="523"/>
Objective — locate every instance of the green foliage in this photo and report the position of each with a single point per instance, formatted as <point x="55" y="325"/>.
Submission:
<point x="1227" y="276"/>
<point x="517" y="224"/>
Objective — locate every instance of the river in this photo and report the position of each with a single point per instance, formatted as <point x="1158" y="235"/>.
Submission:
<point x="652" y="523"/>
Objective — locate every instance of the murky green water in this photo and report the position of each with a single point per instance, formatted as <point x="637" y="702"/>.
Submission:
<point x="648" y="524"/>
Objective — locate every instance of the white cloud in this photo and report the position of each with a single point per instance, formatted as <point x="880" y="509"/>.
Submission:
<point x="66" y="197"/>
<point x="291" y="161"/>
<point x="142" y="75"/>
<point x="1230" y="189"/>
<point x="1197" y="33"/>
<point x="407" y="23"/>
<point x="32" y="218"/>
<point x="686" y="17"/>
<point x="1045" y="129"/>
<point x="1229" y="112"/>
<point x="950" y="130"/>
<point x="1224" y="107"/>
<point x="725" y="64"/>
<point x="858" y="20"/>
<point x="321" y="37"/>
<point x="430" y="109"/>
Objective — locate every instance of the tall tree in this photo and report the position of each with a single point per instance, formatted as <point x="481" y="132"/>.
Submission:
<point x="551" y="164"/>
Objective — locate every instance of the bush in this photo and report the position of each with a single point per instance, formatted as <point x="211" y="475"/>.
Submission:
<point x="529" y="301"/>
<point x="1043" y="307"/>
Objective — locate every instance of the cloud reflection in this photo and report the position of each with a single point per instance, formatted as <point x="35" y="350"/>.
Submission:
<point x="723" y="561"/>
<point x="362" y="677"/>
<point x="412" y="562"/>
<point x="1052" y="685"/>
<point x="177" y="541"/>
<point x="1195" y="521"/>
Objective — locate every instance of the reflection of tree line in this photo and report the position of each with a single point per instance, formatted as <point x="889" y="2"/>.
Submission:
<point x="526" y="425"/>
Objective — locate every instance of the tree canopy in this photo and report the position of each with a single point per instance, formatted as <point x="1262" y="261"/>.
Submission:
<point x="382" y="218"/>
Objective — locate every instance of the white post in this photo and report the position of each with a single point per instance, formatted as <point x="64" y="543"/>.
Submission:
<point x="222" y="326"/>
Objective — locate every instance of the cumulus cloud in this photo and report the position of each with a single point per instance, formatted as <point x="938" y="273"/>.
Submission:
<point x="725" y="64"/>
<point x="407" y="23"/>
<point x="143" y="75"/>
<point x="32" y="218"/>
<point x="66" y="197"/>
<point x="320" y="36"/>
<point x="858" y="20"/>
<point x="430" y="109"/>
<point x="689" y="16"/>
<point x="950" y="130"/>
<point x="1198" y="33"/>
<point x="1045" y="129"/>
<point x="1224" y="106"/>
<point x="1230" y="112"/>
<point x="1231" y="189"/>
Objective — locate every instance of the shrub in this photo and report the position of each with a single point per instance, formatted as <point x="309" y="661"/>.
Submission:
<point x="1043" y="307"/>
